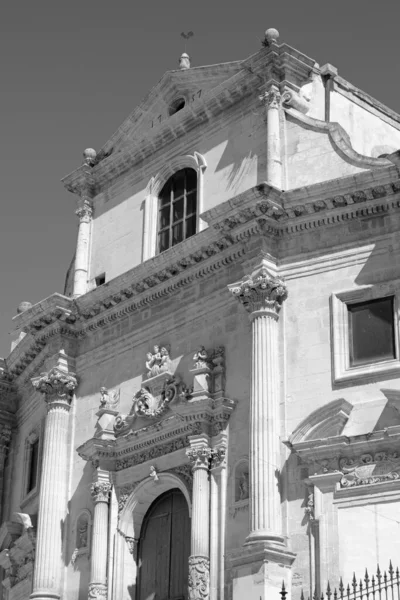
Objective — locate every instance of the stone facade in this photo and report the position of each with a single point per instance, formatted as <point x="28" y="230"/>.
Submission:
<point x="219" y="367"/>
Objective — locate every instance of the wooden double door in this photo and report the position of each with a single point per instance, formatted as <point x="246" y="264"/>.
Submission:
<point x="164" y="548"/>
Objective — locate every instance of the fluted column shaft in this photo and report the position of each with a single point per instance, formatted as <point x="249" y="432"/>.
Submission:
<point x="82" y="249"/>
<point x="57" y="386"/>
<point x="199" y="563"/>
<point x="262" y="295"/>
<point x="98" y="577"/>
<point x="264" y="427"/>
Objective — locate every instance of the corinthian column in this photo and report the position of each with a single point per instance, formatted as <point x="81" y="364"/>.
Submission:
<point x="199" y="561"/>
<point x="262" y="296"/>
<point x="100" y="489"/>
<point x="84" y="213"/>
<point x="272" y="101"/>
<point x="57" y="387"/>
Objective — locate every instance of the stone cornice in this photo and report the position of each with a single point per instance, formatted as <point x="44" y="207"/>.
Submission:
<point x="172" y="433"/>
<point x="261" y="210"/>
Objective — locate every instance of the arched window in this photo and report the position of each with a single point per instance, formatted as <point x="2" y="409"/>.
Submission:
<point x="177" y="209"/>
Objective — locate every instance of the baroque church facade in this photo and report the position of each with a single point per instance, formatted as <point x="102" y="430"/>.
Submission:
<point x="211" y="407"/>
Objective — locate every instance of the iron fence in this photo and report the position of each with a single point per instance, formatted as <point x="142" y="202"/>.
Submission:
<point x="384" y="585"/>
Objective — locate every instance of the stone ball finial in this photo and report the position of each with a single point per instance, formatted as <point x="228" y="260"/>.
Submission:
<point x="184" y="61"/>
<point x="271" y="36"/>
<point x="90" y="156"/>
<point x="23" y="306"/>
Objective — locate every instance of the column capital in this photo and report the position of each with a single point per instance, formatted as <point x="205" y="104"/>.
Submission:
<point x="260" y="293"/>
<point x="85" y="211"/>
<point x="218" y="456"/>
<point x="199" y="457"/>
<point x="100" y="491"/>
<point x="271" y="98"/>
<point x="57" y="385"/>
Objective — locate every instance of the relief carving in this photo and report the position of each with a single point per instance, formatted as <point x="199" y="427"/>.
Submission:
<point x="199" y="578"/>
<point x="158" y="361"/>
<point x="152" y="453"/>
<point x="97" y="591"/>
<point x="100" y="491"/>
<point x="370" y="468"/>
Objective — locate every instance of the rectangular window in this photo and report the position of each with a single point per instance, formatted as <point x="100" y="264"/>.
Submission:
<point x="371" y="331"/>
<point x="100" y="279"/>
<point x="33" y="465"/>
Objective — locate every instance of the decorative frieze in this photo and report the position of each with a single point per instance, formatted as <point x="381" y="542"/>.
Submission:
<point x="370" y="468"/>
<point x="199" y="578"/>
<point x="151" y="453"/>
<point x="184" y="471"/>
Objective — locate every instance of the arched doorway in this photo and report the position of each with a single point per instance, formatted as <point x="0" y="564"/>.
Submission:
<point x="164" y="548"/>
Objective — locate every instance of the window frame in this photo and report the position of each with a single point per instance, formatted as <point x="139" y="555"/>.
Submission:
<point x="342" y="371"/>
<point x="198" y="163"/>
<point x="173" y="200"/>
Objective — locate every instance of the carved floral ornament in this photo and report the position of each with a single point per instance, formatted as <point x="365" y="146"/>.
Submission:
<point x="56" y="385"/>
<point x="109" y="400"/>
<point x="100" y="491"/>
<point x="199" y="457"/>
<point x="97" y="591"/>
<point x="199" y="578"/>
<point x="261" y="292"/>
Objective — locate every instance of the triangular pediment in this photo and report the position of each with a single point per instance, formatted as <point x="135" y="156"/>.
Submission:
<point x="189" y="85"/>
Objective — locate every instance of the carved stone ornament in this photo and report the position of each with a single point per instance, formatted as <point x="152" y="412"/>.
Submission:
<point x="199" y="578"/>
<point x="201" y="359"/>
<point x="158" y="361"/>
<point x="151" y="453"/>
<point x="271" y="98"/>
<point x="218" y="456"/>
<point x="199" y="457"/>
<point x="18" y="560"/>
<point x="309" y="509"/>
<point x="85" y="212"/>
<point x="56" y="385"/>
<point x="109" y="400"/>
<point x="370" y="468"/>
<point x="100" y="491"/>
<point x="97" y="591"/>
<point x="184" y="471"/>
<point x="151" y="401"/>
<point x="123" y="495"/>
<point x="261" y="292"/>
<point x="5" y="437"/>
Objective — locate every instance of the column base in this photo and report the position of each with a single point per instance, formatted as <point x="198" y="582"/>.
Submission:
<point x="44" y="595"/>
<point x="97" y="591"/>
<point x="258" y="571"/>
<point x="267" y="538"/>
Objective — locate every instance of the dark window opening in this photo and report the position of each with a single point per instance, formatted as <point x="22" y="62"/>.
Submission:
<point x="100" y="279"/>
<point x="33" y="465"/>
<point x="371" y="331"/>
<point x="176" y="106"/>
<point x="177" y="209"/>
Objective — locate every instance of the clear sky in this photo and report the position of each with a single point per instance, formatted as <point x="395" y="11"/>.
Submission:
<point x="73" y="71"/>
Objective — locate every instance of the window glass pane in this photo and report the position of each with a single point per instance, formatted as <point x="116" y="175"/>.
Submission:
<point x="191" y="226"/>
<point x="191" y="180"/>
<point x="191" y="203"/>
<point x="179" y="183"/>
<point x="177" y="210"/>
<point x="33" y="465"/>
<point x="371" y="331"/>
<point x="163" y="241"/>
<point x="164" y="217"/>
<point x="165" y="195"/>
<point x="177" y="233"/>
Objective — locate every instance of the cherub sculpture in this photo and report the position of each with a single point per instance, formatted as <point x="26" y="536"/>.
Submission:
<point x="244" y="486"/>
<point x="158" y="361"/>
<point x="108" y="400"/>
<point x="200" y="358"/>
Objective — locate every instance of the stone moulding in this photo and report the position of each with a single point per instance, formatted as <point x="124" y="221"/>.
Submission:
<point x="261" y="210"/>
<point x="158" y="439"/>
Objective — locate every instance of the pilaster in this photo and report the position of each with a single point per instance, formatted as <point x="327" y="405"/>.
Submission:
<point x="199" y="561"/>
<point x="85" y="213"/>
<point x="100" y="490"/>
<point x="271" y="99"/>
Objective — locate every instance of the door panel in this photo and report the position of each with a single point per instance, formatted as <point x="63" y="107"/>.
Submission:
<point x="164" y="548"/>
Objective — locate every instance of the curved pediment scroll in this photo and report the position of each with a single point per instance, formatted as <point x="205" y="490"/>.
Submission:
<point x="327" y="421"/>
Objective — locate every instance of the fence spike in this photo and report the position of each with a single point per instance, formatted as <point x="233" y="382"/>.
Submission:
<point x="391" y="570"/>
<point x="366" y="578"/>
<point x="302" y="595"/>
<point x="328" y="591"/>
<point x="283" y="591"/>
<point x="334" y="594"/>
<point x="341" y="588"/>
